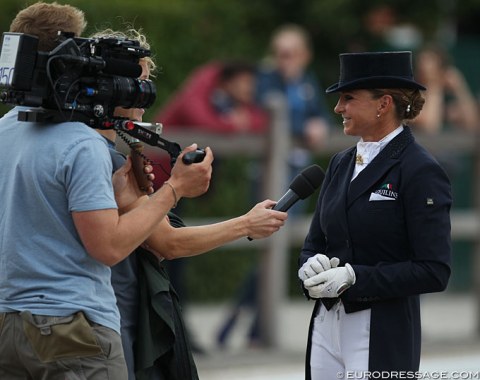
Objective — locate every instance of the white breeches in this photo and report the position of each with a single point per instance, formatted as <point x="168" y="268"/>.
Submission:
<point x="340" y="343"/>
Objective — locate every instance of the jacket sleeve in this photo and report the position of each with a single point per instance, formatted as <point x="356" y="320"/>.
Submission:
<point x="426" y="201"/>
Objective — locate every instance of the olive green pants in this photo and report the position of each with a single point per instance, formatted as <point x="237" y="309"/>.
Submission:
<point x="36" y="347"/>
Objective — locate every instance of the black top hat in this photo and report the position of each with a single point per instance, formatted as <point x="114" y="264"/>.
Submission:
<point x="375" y="70"/>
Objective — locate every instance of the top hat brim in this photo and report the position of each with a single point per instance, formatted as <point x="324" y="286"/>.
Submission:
<point x="375" y="82"/>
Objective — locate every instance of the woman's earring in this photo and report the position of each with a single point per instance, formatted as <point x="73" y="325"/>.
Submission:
<point x="378" y="115"/>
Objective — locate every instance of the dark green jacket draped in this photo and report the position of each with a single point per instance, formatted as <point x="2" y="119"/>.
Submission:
<point x="162" y="339"/>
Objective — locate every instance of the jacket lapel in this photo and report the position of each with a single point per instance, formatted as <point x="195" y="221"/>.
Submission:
<point x="342" y="175"/>
<point x="379" y="166"/>
<point x="345" y="171"/>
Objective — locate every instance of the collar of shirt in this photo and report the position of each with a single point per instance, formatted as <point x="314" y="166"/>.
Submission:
<point x="368" y="150"/>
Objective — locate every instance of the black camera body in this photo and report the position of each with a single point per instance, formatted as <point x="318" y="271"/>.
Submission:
<point x="81" y="79"/>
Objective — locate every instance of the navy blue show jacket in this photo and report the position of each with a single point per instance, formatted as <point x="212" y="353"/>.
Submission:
<point x="399" y="246"/>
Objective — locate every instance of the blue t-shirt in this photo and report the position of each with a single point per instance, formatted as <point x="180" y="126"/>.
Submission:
<point x="48" y="171"/>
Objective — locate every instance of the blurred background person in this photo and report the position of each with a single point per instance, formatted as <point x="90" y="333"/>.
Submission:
<point x="449" y="104"/>
<point x="217" y="97"/>
<point x="287" y="72"/>
<point x="384" y="29"/>
<point x="450" y="107"/>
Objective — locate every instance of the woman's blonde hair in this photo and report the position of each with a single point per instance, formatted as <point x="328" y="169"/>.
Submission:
<point x="46" y="20"/>
<point x="130" y="34"/>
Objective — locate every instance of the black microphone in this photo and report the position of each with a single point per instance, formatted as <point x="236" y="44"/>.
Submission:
<point x="302" y="186"/>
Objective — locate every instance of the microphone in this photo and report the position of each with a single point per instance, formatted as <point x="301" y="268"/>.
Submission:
<point x="302" y="186"/>
<point x="119" y="67"/>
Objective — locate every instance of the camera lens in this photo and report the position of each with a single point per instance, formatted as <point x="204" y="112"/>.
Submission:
<point x="133" y="93"/>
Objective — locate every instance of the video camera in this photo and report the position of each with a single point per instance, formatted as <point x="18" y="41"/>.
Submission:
<point x="81" y="79"/>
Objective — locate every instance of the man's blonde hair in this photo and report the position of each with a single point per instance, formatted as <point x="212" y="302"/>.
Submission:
<point x="46" y="20"/>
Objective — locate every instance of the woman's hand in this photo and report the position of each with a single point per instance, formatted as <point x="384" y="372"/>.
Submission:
<point x="262" y="221"/>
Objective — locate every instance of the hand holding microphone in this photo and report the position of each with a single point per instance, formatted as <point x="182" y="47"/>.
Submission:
<point x="261" y="221"/>
<point x="302" y="186"/>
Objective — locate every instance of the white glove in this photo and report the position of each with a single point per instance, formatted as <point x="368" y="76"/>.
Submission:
<point x="331" y="283"/>
<point x="315" y="265"/>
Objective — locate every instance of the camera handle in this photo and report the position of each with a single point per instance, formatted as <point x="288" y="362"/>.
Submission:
<point x="138" y="165"/>
<point x="149" y="133"/>
<point x="193" y="157"/>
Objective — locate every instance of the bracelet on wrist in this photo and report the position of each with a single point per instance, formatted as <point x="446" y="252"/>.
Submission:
<point x="174" y="193"/>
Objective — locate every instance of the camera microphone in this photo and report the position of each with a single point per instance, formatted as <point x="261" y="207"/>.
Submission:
<point x="302" y="186"/>
<point x="122" y="68"/>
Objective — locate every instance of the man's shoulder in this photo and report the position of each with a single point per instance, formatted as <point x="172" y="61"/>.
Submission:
<point x="71" y="133"/>
<point x="66" y="127"/>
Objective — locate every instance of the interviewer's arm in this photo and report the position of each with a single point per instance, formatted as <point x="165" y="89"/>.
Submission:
<point x="110" y="237"/>
<point x="170" y="243"/>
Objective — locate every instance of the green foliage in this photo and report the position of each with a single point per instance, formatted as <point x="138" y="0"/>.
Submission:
<point x="218" y="275"/>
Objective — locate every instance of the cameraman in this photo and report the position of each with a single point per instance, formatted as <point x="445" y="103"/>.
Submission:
<point x="61" y="229"/>
<point x="154" y="338"/>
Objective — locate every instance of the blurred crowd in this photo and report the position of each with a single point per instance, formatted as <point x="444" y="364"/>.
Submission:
<point x="231" y="97"/>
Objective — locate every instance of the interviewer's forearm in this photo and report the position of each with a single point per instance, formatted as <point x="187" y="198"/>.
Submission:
<point x="172" y="243"/>
<point x="136" y="225"/>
